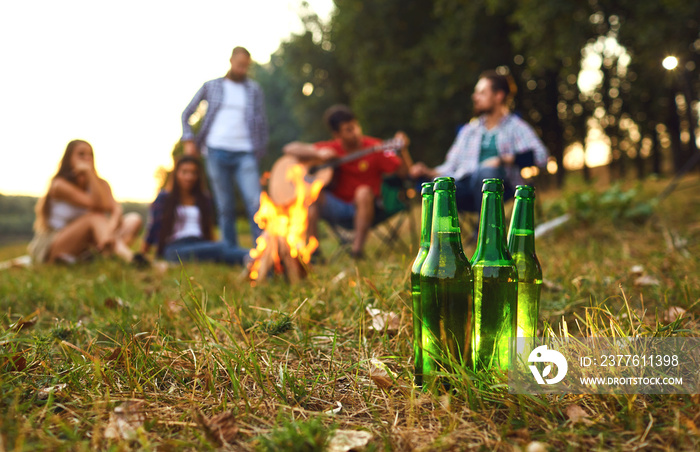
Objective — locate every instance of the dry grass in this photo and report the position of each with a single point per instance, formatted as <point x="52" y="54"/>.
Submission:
<point x="207" y="361"/>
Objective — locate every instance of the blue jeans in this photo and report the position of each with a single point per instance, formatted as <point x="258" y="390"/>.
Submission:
<point x="336" y="211"/>
<point x="198" y="249"/>
<point x="225" y="168"/>
<point x="468" y="189"/>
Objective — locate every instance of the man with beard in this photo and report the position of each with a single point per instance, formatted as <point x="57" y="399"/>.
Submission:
<point x="494" y="145"/>
<point x="233" y="135"/>
<point x="353" y="200"/>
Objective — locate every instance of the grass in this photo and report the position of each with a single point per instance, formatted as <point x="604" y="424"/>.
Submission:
<point x="195" y="358"/>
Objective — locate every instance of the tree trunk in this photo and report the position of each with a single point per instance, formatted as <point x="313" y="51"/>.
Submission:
<point x="586" y="169"/>
<point x="690" y="115"/>
<point x="639" y="163"/>
<point x="622" y="164"/>
<point x="655" y="151"/>
<point x="674" y="131"/>
<point x="554" y="134"/>
<point x="614" y="170"/>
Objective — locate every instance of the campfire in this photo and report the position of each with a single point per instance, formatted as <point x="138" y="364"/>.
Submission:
<point x="283" y="246"/>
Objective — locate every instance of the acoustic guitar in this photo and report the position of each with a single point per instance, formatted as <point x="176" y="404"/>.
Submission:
<point x="281" y="189"/>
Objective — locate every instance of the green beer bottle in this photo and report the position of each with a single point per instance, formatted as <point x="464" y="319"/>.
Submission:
<point x="521" y="244"/>
<point x="425" y="229"/>
<point x="446" y="286"/>
<point x="495" y="284"/>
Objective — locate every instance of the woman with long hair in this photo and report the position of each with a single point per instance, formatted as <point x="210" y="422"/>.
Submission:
<point x="182" y="220"/>
<point x="79" y="213"/>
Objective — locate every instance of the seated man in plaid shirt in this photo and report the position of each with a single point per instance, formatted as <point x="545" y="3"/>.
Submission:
<point x="494" y="145"/>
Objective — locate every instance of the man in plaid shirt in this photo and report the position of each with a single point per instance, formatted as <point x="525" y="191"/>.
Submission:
<point x="233" y="135"/>
<point x="495" y="145"/>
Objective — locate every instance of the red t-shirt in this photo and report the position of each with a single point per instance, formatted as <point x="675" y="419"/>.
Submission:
<point x="367" y="170"/>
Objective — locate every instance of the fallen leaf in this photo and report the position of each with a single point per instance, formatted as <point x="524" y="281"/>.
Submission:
<point x="18" y="262"/>
<point x="551" y="285"/>
<point x="680" y="242"/>
<point x="637" y="270"/>
<point x="576" y="414"/>
<point x="118" y="354"/>
<point x="15" y="363"/>
<point x="172" y="307"/>
<point x="521" y="434"/>
<point x="545" y="228"/>
<point x="672" y="313"/>
<point x="222" y="428"/>
<point x="388" y="322"/>
<point x="423" y="399"/>
<point x="380" y="374"/>
<point x="346" y="440"/>
<point x="125" y="420"/>
<point x="342" y="385"/>
<point x="160" y="267"/>
<point x="578" y="281"/>
<point x="114" y="303"/>
<point x="536" y="446"/>
<point x="25" y="322"/>
<point x="445" y="401"/>
<point x="43" y="393"/>
<point x="115" y="354"/>
<point x="646" y="280"/>
<point x="322" y="339"/>
<point x="339" y="406"/>
<point x="689" y="424"/>
<point x="339" y="277"/>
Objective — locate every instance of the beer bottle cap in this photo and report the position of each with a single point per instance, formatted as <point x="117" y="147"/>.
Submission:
<point x="426" y="188"/>
<point x="525" y="191"/>
<point x="493" y="185"/>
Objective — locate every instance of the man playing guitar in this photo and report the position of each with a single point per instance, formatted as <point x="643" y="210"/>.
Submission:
<point x="352" y="197"/>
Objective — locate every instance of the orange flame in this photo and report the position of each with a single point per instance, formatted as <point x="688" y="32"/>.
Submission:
<point x="288" y="222"/>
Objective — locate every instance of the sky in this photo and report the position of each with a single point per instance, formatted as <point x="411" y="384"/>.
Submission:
<point x="118" y="75"/>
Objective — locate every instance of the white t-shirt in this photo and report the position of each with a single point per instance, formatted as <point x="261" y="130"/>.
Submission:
<point x="187" y="223"/>
<point x="229" y="130"/>
<point x="61" y="213"/>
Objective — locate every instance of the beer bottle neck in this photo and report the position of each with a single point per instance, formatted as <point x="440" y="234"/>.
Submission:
<point x="426" y="220"/>
<point x="521" y="238"/>
<point x="445" y="222"/>
<point x="491" y="244"/>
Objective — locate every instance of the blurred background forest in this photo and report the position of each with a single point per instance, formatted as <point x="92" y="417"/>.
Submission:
<point x="589" y="75"/>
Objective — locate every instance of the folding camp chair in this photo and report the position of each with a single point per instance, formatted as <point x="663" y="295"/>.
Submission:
<point x="392" y="214"/>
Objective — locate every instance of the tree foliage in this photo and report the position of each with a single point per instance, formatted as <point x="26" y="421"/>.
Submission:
<point x="412" y="66"/>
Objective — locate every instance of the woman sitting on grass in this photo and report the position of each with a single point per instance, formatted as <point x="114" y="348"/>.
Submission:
<point x="182" y="220"/>
<point x="79" y="213"/>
